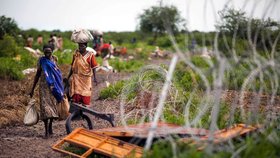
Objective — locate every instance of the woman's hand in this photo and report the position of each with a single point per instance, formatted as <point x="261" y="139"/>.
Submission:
<point x="95" y="81"/>
<point x="51" y="87"/>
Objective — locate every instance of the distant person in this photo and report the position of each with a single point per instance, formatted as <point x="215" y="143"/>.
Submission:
<point x="192" y="46"/>
<point x="105" y="64"/>
<point x="101" y="40"/>
<point x="29" y="41"/>
<point x="97" y="43"/>
<point x="40" y="40"/>
<point x="158" y="52"/>
<point x="106" y="49"/>
<point x="53" y="41"/>
<point x="50" y="88"/>
<point x="111" y="49"/>
<point x="80" y="76"/>
<point x="133" y="40"/>
<point x="59" y="43"/>
<point x="94" y="42"/>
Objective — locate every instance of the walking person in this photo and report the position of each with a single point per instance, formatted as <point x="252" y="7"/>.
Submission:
<point x="29" y="41"/>
<point x="60" y="43"/>
<point x="40" y="39"/>
<point x="81" y="72"/>
<point x="50" y="88"/>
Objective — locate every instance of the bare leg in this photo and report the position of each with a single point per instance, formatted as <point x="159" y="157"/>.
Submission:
<point x="46" y="128"/>
<point x="50" y="126"/>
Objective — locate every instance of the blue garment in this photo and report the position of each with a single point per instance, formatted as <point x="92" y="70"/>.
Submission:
<point x="53" y="77"/>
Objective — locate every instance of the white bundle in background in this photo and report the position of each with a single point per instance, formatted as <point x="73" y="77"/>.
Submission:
<point x="81" y="36"/>
<point x="89" y="49"/>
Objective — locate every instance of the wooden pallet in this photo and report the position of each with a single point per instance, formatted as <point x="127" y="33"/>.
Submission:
<point x="98" y="143"/>
<point x="221" y="136"/>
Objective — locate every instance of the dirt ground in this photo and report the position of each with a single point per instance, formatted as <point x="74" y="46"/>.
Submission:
<point x="17" y="140"/>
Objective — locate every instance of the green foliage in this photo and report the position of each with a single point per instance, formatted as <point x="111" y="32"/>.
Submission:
<point x="8" y="47"/>
<point x="229" y="48"/>
<point x="224" y="116"/>
<point x="64" y="57"/>
<point x="144" y="80"/>
<point x="164" y="149"/>
<point x="236" y="25"/>
<point x="27" y="60"/>
<point x="239" y="72"/>
<point x="187" y="78"/>
<point x="172" y="116"/>
<point x="126" y="66"/>
<point x="159" y="19"/>
<point x="156" y="19"/>
<point x="164" y="42"/>
<point x="200" y="62"/>
<point x="112" y="91"/>
<point x="11" y="68"/>
<point x="8" y="26"/>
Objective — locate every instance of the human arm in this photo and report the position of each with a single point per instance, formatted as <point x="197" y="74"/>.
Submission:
<point x="36" y="79"/>
<point x="94" y="76"/>
<point x="94" y="65"/>
<point x="71" y="71"/>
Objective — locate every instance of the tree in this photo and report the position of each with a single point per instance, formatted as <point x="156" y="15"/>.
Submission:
<point x="160" y="19"/>
<point x="8" y="26"/>
<point x="232" y="21"/>
<point x="261" y="32"/>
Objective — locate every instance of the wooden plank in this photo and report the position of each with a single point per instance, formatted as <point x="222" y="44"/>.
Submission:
<point x="98" y="143"/>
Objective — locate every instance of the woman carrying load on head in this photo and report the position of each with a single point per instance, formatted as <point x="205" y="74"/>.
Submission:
<point x="50" y="88"/>
<point x="81" y="72"/>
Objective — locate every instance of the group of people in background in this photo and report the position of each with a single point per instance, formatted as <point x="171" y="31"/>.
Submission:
<point x="57" y="42"/>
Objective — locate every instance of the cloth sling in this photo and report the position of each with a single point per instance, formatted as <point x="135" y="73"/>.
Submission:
<point x="53" y="78"/>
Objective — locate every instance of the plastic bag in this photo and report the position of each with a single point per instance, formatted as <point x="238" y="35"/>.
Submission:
<point x="63" y="108"/>
<point x="31" y="116"/>
<point x="81" y="36"/>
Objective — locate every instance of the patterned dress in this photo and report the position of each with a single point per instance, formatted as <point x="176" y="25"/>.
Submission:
<point x="82" y="73"/>
<point x="48" y="103"/>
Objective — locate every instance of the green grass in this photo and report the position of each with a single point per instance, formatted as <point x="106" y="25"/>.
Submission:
<point x="112" y="91"/>
<point x="126" y="66"/>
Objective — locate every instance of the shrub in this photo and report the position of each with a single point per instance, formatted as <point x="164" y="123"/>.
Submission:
<point x="10" y="69"/>
<point x="187" y="78"/>
<point x="8" y="47"/>
<point x="164" y="42"/>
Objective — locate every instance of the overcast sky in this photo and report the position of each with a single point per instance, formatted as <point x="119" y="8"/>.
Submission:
<point x="121" y="15"/>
